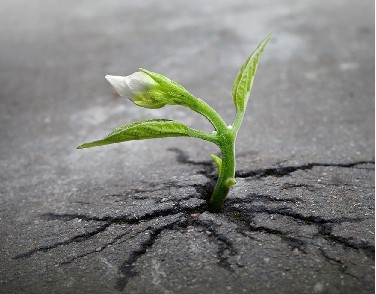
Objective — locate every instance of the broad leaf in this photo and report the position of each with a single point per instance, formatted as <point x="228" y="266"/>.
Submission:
<point x="244" y="79"/>
<point x="148" y="129"/>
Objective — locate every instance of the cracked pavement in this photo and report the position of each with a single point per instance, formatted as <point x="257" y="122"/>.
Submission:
<point x="132" y="218"/>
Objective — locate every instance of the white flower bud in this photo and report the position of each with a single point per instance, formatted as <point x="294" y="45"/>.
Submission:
<point x="149" y="90"/>
<point x="130" y="85"/>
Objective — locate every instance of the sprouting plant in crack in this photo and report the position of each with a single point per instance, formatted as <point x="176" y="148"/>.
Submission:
<point x="152" y="90"/>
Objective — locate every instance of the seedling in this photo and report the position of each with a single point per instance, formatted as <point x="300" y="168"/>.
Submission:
<point x="152" y="90"/>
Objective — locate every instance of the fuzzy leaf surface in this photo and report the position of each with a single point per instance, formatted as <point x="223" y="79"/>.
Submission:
<point x="244" y="79"/>
<point x="148" y="129"/>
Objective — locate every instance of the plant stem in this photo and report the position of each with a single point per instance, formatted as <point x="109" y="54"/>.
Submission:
<point x="201" y="107"/>
<point x="226" y="177"/>
<point x="227" y="173"/>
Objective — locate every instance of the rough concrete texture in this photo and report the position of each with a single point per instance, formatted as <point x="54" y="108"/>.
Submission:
<point x="132" y="217"/>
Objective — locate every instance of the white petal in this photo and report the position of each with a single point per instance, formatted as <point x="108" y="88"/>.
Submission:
<point x="139" y="82"/>
<point x="120" y="85"/>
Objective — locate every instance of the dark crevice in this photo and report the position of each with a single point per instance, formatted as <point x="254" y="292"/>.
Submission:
<point x="126" y="219"/>
<point x="113" y="241"/>
<point x="182" y="157"/>
<point x="244" y="222"/>
<point x="318" y="186"/>
<point x="160" y="187"/>
<point x="287" y="170"/>
<point x="205" y="190"/>
<point x="225" y="246"/>
<point x="77" y="239"/>
<point x="108" y="221"/>
<point x="352" y="186"/>
<point x="260" y="198"/>
<point x="341" y="266"/>
<point x="287" y="211"/>
<point x="243" y="217"/>
<point x="138" y="194"/>
<point x="127" y="269"/>
<point x="209" y="169"/>
<point x="292" y="242"/>
<point x="286" y="186"/>
<point x="327" y="231"/>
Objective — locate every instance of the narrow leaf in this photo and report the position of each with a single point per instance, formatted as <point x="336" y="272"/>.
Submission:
<point x="218" y="162"/>
<point x="148" y="129"/>
<point x="244" y="79"/>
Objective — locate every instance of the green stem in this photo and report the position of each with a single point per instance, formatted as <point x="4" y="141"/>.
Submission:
<point x="203" y="135"/>
<point x="201" y="107"/>
<point x="226" y="176"/>
<point x="225" y="140"/>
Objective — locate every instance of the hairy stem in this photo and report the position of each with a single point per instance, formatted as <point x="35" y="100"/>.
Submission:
<point x="201" y="107"/>
<point x="202" y="135"/>
<point x="226" y="176"/>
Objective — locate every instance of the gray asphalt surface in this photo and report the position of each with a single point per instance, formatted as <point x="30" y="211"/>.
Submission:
<point x="132" y="217"/>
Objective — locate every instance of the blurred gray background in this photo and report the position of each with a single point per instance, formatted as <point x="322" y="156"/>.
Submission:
<point x="312" y="101"/>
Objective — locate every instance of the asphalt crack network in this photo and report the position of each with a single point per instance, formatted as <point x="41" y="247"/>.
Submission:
<point x="108" y="221"/>
<point x="77" y="239"/>
<point x="226" y="248"/>
<point x="244" y="217"/>
<point x="239" y="211"/>
<point x="127" y="269"/>
<point x="341" y="265"/>
<point x="287" y="170"/>
<point x="116" y="239"/>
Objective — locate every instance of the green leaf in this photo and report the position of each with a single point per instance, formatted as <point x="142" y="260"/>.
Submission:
<point x="218" y="162"/>
<point x="148" y="129"/>
<point x="244" y="79"/>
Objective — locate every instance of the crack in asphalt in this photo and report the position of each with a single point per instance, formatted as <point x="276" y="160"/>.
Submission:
<point x="287" y="211"/>
<point x="127" y="269"/>
<point x="104" y="246"/>
<point x="201" y="189"/>
<point x="244" y="218"/>
<point x="225" y="246"/>
<point x="287" y="170"/>
<point x="252" y="197"/>
<point x="341" y="266"/>
<point x="108" y="221"/>
<point x="241" y="216"/>
<point x="244" y="223"/>
<point x="78" y="238"/>
<point x="367" y="248"/>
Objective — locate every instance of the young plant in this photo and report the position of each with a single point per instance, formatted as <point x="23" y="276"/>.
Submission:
<point x="152" y="90"/>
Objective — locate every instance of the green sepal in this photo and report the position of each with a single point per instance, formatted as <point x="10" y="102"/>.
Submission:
<point x="169" y="86"/>
<point x="148" y="129"/>
<point x="177" y="94"/>
<point x="244" y="79"/>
